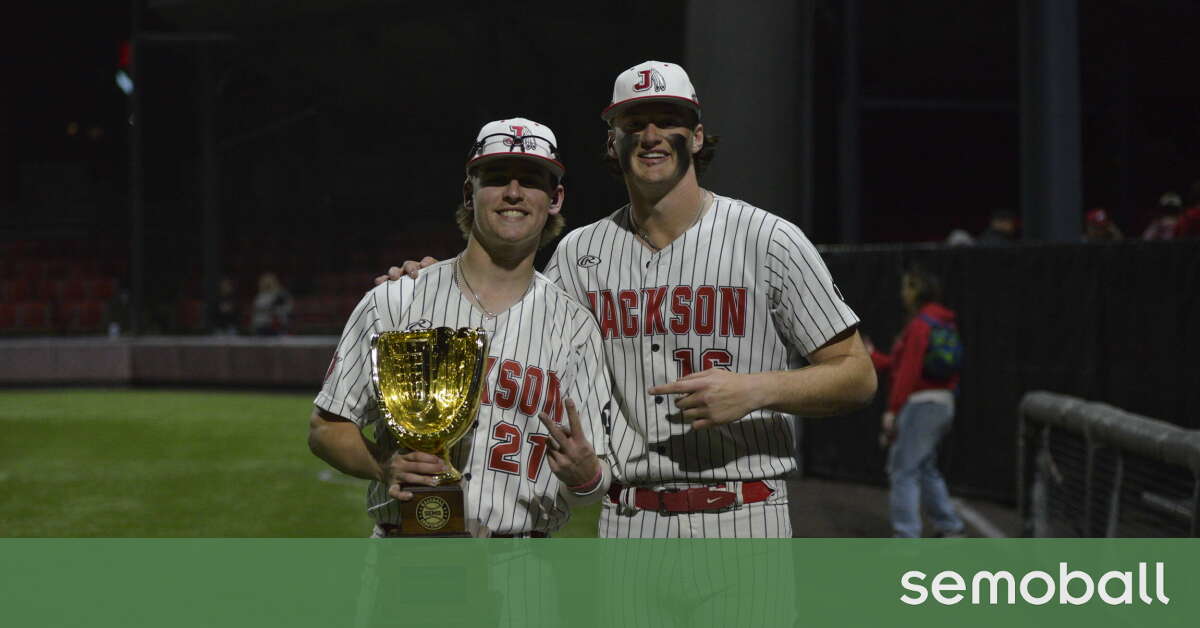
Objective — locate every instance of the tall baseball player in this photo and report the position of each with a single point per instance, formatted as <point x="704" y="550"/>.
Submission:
<point x="708" y="308"/>
<point x="544" y="354"/>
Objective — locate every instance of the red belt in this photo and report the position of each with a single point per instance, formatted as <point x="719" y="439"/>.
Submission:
<point x="393" y="530"/>
<point x="696" y="499"/>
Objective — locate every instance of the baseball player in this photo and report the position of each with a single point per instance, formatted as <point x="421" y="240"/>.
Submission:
<point x="544" y="354"/>
<point x="708" y="309"/>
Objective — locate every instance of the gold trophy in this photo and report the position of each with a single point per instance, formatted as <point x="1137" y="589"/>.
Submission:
<point x="427" y="384"/>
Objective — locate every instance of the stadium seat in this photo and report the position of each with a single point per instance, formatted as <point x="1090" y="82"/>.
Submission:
<point x="67" y="289"/>
<point x="190" y="315"/>
<point x="33" y="271"/>
<point x="59" y="268"/>
<point x="34" y="316"/>
<point x="102" y="288"/>
<point x="14" y="290"/>
<point x="357" y="282"/>
<point x="345" y="308"/>
<point x="310" y="314"/>
<point x="8" y="317"/>
<point x="82" y="316"/>
<point x="115" y="266"/>
<point x="328" y="283"/>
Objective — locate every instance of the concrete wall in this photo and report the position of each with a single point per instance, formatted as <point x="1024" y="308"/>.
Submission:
<point x="167" y="360"/>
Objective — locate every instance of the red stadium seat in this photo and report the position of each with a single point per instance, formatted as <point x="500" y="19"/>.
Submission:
<point x="8" y="317"/>
<point x="13" y="290"/>
<point x="67" y="289"/>
<point x="328" y="283"/>
<point x="92" y="316"/>
<point x="345" y="308"/>
<point x="190" y="315"/>
<point x="59" y="268"/>
<point x="357" y="282"/>
<point x="117" y="266"/>
<point x="310" y="314"/>
<point x="82" y="316"/>
<point x="33" y="271"/>
<point x="34" y="316"/>
<point x="101" y="289"/>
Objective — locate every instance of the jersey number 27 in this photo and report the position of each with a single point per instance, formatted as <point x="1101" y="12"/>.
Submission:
<point x="505" y="455"/>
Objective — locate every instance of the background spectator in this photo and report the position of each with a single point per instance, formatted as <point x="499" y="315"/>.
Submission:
<point x="1001" y="230"/>
<point x="225" y="319"/>
<point x="116" y="313"/>
<point x="272" y="306"/>
<point x="920" y="407"/>
<point x="1099" y="227"/>
<point x="1189" y="219"/>
<point x="959" y="237"/>
<point x="1163" y="226"/>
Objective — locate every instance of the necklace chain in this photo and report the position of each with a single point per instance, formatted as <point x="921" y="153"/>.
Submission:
<point x="646" y="237"/>
<point x="460" y="277"/>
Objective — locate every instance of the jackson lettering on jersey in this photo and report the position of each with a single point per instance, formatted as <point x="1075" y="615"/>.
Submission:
<point x="546" y="347"/>
<point x="742" y="290"/>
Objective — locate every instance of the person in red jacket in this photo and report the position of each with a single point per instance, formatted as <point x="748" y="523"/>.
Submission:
<point x="919" y="413"/>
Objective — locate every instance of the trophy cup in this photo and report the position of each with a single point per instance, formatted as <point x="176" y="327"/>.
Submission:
<point x="427" y="384"/>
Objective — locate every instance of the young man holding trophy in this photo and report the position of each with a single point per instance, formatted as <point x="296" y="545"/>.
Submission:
<point x="522" y="381"/>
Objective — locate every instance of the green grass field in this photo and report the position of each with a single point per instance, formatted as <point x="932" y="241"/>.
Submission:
<point x="155" y="463"/>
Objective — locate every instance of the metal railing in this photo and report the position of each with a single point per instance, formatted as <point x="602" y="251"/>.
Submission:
<point x="1088" y="469"/>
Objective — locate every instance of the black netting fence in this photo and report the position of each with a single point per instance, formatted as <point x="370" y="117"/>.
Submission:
<point x="1110" y="322"/>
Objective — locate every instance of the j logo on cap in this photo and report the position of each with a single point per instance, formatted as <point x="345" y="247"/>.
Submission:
<point x="516" y="137"/>
<point x="650" y="78"/>
<point x="651" y="81"/>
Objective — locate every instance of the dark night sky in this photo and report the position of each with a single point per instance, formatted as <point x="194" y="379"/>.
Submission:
<point x="377" y="103"/>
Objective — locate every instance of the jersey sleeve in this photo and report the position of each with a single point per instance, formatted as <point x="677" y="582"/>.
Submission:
<point x="586" y="381"/>
<point x="347" y="389"/>
<point x="554" y="267"/>
<point x="808" y="307"/>
<point x="562" y="270"/>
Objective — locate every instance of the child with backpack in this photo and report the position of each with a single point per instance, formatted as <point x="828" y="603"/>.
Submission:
<point x="924" y="367"/>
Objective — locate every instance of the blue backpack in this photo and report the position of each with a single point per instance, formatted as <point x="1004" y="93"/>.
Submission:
<point x="944" y="355"/>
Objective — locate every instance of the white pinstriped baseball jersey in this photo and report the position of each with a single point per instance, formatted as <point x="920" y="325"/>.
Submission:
<point x="544" y="348"/>
<point x="741" y="289"/>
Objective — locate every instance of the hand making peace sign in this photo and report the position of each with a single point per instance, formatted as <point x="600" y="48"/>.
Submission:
<point x="571" y="456"/>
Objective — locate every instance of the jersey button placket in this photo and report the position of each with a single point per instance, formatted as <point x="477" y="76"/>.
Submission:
<point x="651" y="348"/>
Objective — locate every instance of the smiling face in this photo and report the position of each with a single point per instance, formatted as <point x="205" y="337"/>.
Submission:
<point x="654" y="143"/>
<point x="512" y="200"/>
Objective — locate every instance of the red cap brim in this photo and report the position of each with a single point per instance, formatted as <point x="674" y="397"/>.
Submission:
<point x="553" y="165"/>
<point x="615" y="108"/>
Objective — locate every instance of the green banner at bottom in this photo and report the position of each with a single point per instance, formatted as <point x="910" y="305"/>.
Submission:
<point x="581" y="583"/>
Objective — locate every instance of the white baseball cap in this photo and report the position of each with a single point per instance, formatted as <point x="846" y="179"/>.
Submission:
<point x="516" y="137"/>
<point x="651" y="81"/>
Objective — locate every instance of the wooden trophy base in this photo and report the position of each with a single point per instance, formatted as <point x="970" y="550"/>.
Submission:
<point x="434" y="512"/>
